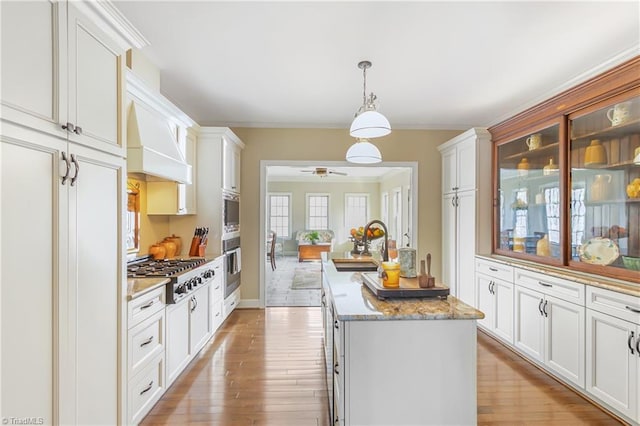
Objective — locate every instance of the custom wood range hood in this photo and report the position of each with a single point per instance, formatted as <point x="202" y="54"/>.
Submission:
<point x="152" y="144"/>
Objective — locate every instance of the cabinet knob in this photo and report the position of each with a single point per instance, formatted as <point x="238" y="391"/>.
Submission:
<point x="69" y="127"/>
<point x="77" y="130"/>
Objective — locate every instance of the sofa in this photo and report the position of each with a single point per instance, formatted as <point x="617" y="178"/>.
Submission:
<point x="326" y="236"/>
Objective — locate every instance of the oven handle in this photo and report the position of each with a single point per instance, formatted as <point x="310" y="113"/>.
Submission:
<point x="234" y="261"/>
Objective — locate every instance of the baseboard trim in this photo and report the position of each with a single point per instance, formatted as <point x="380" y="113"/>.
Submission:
<point x="249" y="304"/>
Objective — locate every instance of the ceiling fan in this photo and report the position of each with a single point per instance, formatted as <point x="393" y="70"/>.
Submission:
<point x="323" y="172"/>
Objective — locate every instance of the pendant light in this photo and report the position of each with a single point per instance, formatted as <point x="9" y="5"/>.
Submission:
<point x="363" y="152"/>
<point x="368" y="122"/>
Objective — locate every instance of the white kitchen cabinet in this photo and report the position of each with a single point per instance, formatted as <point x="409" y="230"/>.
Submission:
<point x="613" y="351"/>
<point x="145" y="353"/>
<point x="84" y="267"/>
<point x="495" y="300"/>
<point x="216" y="294"/>
<point x="548" y="328"/>
<point x="178" y="352"/>
<point x="231" y="164"/>
<point x="69" y="81"/>
<point x="230" y="303"/>
<point x="199" y="324"/>
<point x="466" y="209"/>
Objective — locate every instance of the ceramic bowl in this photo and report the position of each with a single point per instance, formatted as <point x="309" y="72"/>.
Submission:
<point x="632" y="263"/>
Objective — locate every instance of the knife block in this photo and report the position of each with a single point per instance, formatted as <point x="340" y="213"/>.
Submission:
<point x="194" y="250"/>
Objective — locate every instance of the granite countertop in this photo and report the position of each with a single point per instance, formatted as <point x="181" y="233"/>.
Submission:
<point x="136" y="287"/>
<point x="352" y="301"/>
<point x="620" y="286"/>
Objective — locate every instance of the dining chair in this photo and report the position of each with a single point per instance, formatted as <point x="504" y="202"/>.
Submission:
<point x="271" y="254"/>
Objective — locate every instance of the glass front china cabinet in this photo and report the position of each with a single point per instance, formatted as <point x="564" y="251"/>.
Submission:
<point x="567" y="180"/>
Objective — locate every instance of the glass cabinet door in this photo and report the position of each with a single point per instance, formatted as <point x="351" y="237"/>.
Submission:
<point x="528" y="196"/>
<point x="605" y="187"/>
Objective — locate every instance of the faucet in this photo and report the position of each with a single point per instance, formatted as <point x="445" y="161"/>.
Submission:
<point x="385" y="253"/>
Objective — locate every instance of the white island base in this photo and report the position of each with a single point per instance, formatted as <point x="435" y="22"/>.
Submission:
<point x="408" y="372"/>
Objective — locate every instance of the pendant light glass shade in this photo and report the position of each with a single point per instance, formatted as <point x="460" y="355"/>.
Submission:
<point x="363" y="152"/>
<point x="370" y="124"/>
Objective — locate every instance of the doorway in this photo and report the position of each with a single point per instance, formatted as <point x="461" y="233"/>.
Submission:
<point x="333" y="197"/>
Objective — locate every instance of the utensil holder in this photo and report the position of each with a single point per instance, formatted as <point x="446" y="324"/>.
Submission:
<point x="195" y="244"/>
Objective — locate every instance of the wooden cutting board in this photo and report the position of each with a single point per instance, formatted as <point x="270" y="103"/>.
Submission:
<point x="409" y="287"/>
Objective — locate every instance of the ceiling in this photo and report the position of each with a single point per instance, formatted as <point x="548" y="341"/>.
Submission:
<point x="352" y="173"/>
<point x="436" y="65"/>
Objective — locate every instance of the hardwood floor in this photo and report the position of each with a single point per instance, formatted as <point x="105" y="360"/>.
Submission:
<point x="265" y="367"/>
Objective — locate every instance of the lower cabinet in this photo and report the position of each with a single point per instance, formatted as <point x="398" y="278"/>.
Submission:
<point x="613" y="351"/>
<point x="495" y="299"/>
<point x="550" y="330"/>
<point x="216" y="295"/>
<point x="145" y="353"/>
<point x="187" y="330"/>
<point x="230" y="303"/>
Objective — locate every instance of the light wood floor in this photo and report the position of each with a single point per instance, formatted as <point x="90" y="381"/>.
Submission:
<point x="265" y="367"/>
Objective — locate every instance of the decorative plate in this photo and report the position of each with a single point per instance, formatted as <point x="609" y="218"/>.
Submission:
<point x="599" y="251"/>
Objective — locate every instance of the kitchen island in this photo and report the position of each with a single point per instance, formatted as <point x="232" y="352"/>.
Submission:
<point x="397" y="361"/>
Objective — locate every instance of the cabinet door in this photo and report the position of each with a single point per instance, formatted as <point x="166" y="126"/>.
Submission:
<point x="199" y="320"/>
<point x="178" y="350"/>
<point x="95" y="84"/>
<point x="95" y="278"/>
<point x="612" y="367"/>
<point x="30" y="194"/>
<point x="503" y="309"/>
<point x="32" y="87"/>
<point x="449" y="252"/>
<point x="485" y="301"/>
<point x="229" y="159"/>
<point x="564" y="346"/>
<point x="449" y="171"/>
<point x="466" y="165"/>
<point x="466" y="247"/>
<point x="529" y="330"/>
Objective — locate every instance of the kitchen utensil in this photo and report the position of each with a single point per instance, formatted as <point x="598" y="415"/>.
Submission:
<point x="423" y="279"/>
<point x="599" y="251"/>
<point x="431" y="281"/>
<point x="195" y="242"/>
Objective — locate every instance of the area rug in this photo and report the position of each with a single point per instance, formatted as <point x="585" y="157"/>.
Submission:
<point x="306" y="276"/>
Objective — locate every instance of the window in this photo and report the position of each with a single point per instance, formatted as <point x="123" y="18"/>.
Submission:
<point x="279" y="214"/>
<point x="356" y="210"/>
<point x="317" y="211"/>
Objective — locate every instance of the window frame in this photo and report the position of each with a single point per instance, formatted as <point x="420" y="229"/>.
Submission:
<point x="367" y="197"/>
<point x="307" y="218"/>
<point x="289" y="213"/>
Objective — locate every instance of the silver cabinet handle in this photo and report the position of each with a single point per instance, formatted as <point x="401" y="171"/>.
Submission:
<point x="336" y="369"/>
<point x="193" y="304"/>
<point x="637" y="311"/>
<point x="335" y="323"/>
<point x="544" y="308"/>
<point x="74" y="160"/>
<point x="629" y="342"/>
<point x="69" y="127"/>
<point x="453" y="201"/>
<point x="146" y="342"/>
<point x="540" y="306"/>
<point x="490" y="282"/>
<point x="493" y="269"/>
<point x="544" y="284"/>
<point x="638" y="346"/>
<point x="147" y="389"/>
<point x="148" y="305"/>
<point x="68" y="163"/>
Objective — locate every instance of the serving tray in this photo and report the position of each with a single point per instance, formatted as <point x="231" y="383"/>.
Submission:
<point x="409" y="287"/>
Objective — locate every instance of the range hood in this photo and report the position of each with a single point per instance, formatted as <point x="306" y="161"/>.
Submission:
<point x="152" y="148"/>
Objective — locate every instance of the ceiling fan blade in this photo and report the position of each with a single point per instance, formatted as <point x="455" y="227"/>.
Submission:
<point x="307" y="171"/>
<point x="337" y="173"/>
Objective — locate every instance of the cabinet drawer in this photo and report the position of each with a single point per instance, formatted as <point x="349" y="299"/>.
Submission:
<point x="145" y="306"/>
<point x="145" y="389"/>
<point x="230" y="303"/>
<point x="562" y="289"/>
<point x="145" y="341"/>
<point x="494" y="269"/>
<point x="623" y="306"/>
<point x="217" y="288"/>
<point x="216" y="315"/>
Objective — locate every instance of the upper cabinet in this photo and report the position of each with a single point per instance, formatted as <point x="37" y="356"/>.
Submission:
<point x="567" y="178"/>
<point x="72" y="85"/>
<point x="231" y="163"/>
<point x="459" y="166"/>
